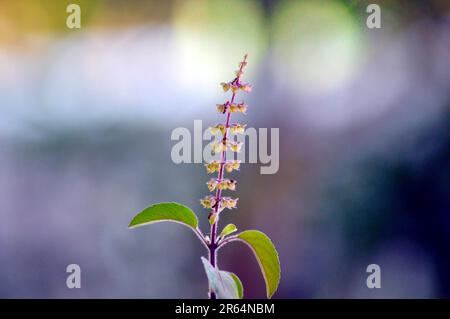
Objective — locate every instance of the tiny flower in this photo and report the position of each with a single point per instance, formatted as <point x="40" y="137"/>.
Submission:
<point x="227" y="184"/>
<point x="219" y="147"/>
<point x="212" y="167"/>
<point x="216" y="128"/>
<point x="208" y="201"/>
<point x="216" y="147"/>
<point x="221" y="108"/>
<point x="228" y="202"/>
<point x="246" y="87"/>
<point x="212" y="184"/>
<point x="232" y="165"/>
<point x="231" y="184"/>
<point x="233" y="108"/>
<point x="237" y="128"/>
<point x="242" y="107"/>
<point x="236" y="146"/>
<point x="225" y="86"/>
<point x="234" y="88"/>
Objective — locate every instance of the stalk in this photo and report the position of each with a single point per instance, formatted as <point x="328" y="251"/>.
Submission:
<point x="213" y="245"/>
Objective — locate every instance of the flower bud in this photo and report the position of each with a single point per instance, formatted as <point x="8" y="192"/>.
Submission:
<point x="237" y="128"/>
<point x="225" y="86"/>
<point x="227" y="184"/>
<point x="235" y="146"/>
<point x="228" y="202"/>
<point x="232" y="165"/>
<point x="212" y="167"/>
<point x="231" y="184"/>
<point x="212" y="219"/>
<point x="219" y="147"/>
<point x="216" y="128"/>
<point x="221" y="108"/>
<point x="246" y="88"/>
<point x="242" y="107"/>
<point x="208" y="202"/>
<point x="212" y="184"/>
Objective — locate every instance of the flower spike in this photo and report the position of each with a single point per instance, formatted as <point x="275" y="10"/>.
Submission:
<point x="216" y="203"/>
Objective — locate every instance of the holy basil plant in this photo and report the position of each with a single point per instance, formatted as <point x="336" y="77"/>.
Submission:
<point x="222" y="284"/>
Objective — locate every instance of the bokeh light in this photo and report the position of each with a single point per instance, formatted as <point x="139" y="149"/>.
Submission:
<point x="210" y="36"/>
<point x="318" y="45"/>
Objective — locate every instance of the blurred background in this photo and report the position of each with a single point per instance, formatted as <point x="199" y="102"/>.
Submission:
<point x="86" y="119"/>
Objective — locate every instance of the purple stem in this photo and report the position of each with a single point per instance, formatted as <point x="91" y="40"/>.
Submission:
<point x="213" y="245"/>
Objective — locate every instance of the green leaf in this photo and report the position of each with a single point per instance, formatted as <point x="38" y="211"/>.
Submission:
<point x="228" y="229"/>
<point x="172" y="212"/>
<point x="240" y="288"/>
<point x="222" y="283"/>
<point x="266" y="255"/>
